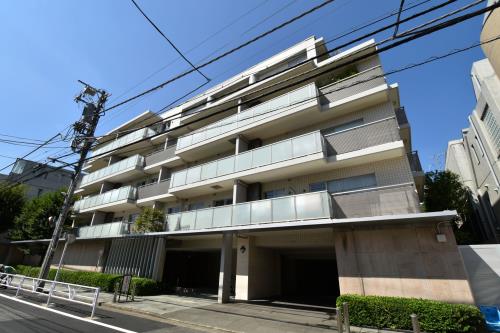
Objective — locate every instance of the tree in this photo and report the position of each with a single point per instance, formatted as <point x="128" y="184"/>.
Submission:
<point x="444" y="191"/>
<point x="149" y="220"/>
<point x="12" y="200"/>
<point x="33" y="222"/>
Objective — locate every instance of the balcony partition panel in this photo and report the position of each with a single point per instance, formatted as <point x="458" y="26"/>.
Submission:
<point x="296" y="147"/>
<point x="115" y="168"/>
<point x="160" y="156"/>
<point x="122" y="193"/>
<point x="153" y="189"/>
<point x="250" y="115"/>
<point x="305" y="206"/>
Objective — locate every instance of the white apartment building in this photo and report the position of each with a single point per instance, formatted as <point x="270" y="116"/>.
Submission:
<point x="309" y="191"/>
<point x="475" y="157"/>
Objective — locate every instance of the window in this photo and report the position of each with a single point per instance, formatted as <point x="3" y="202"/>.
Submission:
<point x="316" y="187"/>
<point x="343" y="127"/>
<point x="345" y="184"/>
<point x="223" y="202"/>
<point x="173" y="210"/>
<point x="492" y="126"/>
<point x="475" y="154"/>
<point x="196" y="205"/>
<point x="275" y="193"/>
<point x="19" y="167"/>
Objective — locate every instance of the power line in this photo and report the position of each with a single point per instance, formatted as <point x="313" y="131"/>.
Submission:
<point x="168" y="40"/>
<point x="225" y="54"/>
<point x="317" y="57"/>
<point x="20" y="137"/>
<point x="391" y="72"/>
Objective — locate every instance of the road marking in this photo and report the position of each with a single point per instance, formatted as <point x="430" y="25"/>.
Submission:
<point x="116" y="328"/>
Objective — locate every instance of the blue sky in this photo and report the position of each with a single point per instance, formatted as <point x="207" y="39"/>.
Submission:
<point x="48" y="45"/>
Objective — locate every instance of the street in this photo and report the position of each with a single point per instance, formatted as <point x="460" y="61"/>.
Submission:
<point x="19" y="317"/>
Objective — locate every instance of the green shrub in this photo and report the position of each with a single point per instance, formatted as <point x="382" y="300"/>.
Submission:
<point x="106" y="282"/>
<point x="394" y="313"/>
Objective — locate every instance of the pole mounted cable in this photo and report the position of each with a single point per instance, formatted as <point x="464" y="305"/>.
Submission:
<point x="168" y="40"/>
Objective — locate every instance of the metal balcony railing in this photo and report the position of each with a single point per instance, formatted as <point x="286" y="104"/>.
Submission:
<point x="113" y="169"/>
<point x="125" y="140"/>
<point x="277" y="152"/>
<point x="401" y="116"/>
<point x="291" y="208"/>
<point x="122" y="193"/>
<point x="377" y="201"/>
<point x="348" y="87"/>
<point x="414" y="162"/>
<point x="153" y="189"/>
<point x="363" y="136"/>
<point x="104" y="230"/>
<point x="160" y="156"/>
<point x="249" y="116"/>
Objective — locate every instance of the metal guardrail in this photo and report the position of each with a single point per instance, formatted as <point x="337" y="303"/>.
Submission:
<point x="69" y="292"/>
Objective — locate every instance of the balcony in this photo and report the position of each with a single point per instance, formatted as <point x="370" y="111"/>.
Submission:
<point x="125" y="140"/>
<point x="290" y="111"/>
<point x="164" y="157"/>
<point x="284" y="209"/>
<point x="150" y="193"/>
<point x="121" y="198"/>
<point x="105" y="230"/>
<point x="363" y="136"/>
<point x="360" y="83"/>
<point x="116" y="172"/>
<point x="418" y="173"/>
<point x="218" y="133"/>
<point x="384" y="200"/>
<point x="292" y="156"/>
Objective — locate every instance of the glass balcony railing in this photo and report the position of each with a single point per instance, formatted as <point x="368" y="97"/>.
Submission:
<point x="291" y="208"/>
<point x="122" y="193"/>
<point x="277" y="152"/>
<point x="125" y="140"/>
<point x="251" y="115"/>
<point x="115" y="168"/>
<point x="104" y="230"/>
<point x="414" y="160"/>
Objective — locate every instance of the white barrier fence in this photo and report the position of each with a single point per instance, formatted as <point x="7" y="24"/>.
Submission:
<point x="73" y="293"/>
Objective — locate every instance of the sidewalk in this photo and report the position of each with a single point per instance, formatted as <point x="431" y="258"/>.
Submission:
<point x="233" y="317"/>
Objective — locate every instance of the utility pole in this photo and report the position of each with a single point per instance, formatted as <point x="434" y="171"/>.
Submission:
<point x="93" y="100"/>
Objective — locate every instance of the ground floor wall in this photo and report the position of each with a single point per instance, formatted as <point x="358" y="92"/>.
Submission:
<point x="84" y="255"/>
<point x="404" y="260"/>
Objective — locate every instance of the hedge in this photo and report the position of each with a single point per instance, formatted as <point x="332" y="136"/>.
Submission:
<point x="394" y="313"/>
<point x="106" y="282"/>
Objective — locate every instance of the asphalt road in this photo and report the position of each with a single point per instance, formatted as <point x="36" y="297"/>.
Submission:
<point x="23" y="318"/>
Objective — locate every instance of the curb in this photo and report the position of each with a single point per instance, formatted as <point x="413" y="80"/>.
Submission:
<point x="106" y="305"/>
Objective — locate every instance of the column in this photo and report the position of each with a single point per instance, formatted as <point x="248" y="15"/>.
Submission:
<point x="225" y="273"/>
<point x="242" y="268"/>
<point x="159" y="264"/>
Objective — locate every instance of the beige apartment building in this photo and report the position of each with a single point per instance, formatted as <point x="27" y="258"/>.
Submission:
<point x="308" y="192"/>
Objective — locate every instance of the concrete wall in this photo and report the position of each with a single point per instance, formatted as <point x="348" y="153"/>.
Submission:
<point x="402" y="261"/>
<point x="491" y="29"/>
<point x="482" y="263"/>
<point x="82" y="255"/>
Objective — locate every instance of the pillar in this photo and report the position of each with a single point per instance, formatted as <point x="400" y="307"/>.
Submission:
<point x="163" y="174"/>
<point x="239" y="191"/>
<point x="159" y="264"/>
<point x="225" y="272"/>
<point x="242" y="268"/>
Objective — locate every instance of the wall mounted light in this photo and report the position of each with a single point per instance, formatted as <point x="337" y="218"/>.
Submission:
<point x="243" y="249"/>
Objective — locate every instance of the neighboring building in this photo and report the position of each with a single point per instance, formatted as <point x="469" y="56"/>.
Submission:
<point x="308" y="192"/>
<point x="38" y="178"/>
<point x="491" y="30"/>
<point x="3" y="177"/>
<point x="476" y="156"/>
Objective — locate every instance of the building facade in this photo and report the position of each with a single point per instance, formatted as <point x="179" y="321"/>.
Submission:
<point x="490" y="30"/>
<point x="475" y="157"/>
<point x="38" y="178"/>
<point x="295" y="178"/>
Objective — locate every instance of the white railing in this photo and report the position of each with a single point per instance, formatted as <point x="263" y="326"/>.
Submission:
<point x="251" y="115"/>
<point x="115" y="168"/>
<point x="104" y="230"/>
<point x="298" y="207"/>
<point x="69" y="292"/>
<point x="122" y="193"/>
<point x="277" y="152"/>
<point x="124" y="140"/>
